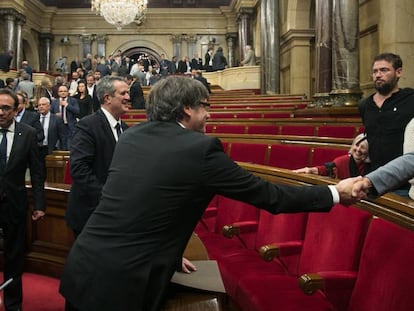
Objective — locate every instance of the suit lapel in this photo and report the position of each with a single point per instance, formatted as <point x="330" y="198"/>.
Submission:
<point x="18" y="143"/>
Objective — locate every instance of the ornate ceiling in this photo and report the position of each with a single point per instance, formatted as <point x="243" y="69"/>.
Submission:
<point x="151" y="3"/>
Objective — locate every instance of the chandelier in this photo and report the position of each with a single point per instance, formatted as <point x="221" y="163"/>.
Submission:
<point x="120" y="12"/>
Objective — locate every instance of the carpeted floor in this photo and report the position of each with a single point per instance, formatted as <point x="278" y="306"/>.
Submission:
<point x="40" y="293"/>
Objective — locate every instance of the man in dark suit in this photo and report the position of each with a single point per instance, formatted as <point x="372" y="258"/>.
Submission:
<point x="162" y="176"/>
<point x="18" y="150"/>
<point x="136" y="94"/>
<point x="67" y="108"/>
<point x="5" y="60"/>
<point x="199" y="77"/>
<point x="28" y="117"/>
<point x="91" y="151"/>
<point x="91" y="86"/>
<point x="196" y="62"/>
<point x="54" y="132"/>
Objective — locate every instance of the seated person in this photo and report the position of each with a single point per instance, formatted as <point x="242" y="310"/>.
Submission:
<point x="408" y="147"/>
<point x="353" y="164"/>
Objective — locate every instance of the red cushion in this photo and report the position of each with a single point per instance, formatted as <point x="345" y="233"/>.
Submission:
<point x="251" y="153"/>
<point x="230" y="128"/>
<point x="322" y="155"/>
<point x="289" y="156"/>
<point x="263" y="129"/>
<point x="299" y="130"/>
<point x="337" y="131"/>
<point x="385" y="274"/>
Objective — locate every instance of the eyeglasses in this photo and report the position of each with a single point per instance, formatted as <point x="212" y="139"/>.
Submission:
<point x="6" y="108"/>
<point x="205" y="105"/>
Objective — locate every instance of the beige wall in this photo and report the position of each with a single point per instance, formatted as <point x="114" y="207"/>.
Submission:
<point x="384" y="26"/>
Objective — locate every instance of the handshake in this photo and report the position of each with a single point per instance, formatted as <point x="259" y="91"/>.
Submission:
<point x="351" y="190"/>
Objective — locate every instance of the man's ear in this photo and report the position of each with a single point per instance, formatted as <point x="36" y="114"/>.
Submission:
<point x="188" y="111"/>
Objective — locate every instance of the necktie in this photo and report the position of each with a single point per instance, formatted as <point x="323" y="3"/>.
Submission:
<point x="42" y="121"/>
<point x="3" y="149"/>
<point x="118" y="129"/>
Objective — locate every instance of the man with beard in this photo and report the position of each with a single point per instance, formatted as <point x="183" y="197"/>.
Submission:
<point x="386" y="113"/>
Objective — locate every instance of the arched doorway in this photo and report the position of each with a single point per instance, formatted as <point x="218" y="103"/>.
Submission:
<point x="140" y="52"/>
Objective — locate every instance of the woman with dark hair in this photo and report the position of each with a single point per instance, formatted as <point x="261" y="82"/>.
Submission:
<point x="84" y="100"/>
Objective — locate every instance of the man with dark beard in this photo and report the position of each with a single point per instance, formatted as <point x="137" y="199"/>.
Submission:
<point x="386" y="113"/>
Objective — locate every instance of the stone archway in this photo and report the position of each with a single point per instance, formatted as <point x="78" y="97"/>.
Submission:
<point x="30" y="50"/>
<point x="140" y="47"/>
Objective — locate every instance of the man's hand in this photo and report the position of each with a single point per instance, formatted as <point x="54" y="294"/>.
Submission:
<point x="187" y="266"/>
<point x="346" y="193"/>
<point x="36" y="215"/>
<point x="361" y="188"/>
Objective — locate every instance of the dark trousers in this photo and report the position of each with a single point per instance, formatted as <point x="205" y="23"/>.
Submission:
<point x="14" y="240"/>
<point x="43" y="151"/>
<point x="70" y="307"/>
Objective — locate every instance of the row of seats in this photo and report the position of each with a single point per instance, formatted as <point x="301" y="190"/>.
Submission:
<point x="335" y="131"/>
<point x="342" y="260"/>
<point x="289" y="156"/>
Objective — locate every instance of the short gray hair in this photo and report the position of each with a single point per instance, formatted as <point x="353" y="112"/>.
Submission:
<point x="106" y="86"/>
<point x="169" y="96"/>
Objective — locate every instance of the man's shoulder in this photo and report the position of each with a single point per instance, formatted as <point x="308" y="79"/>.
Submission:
<point x="24" y="128"/>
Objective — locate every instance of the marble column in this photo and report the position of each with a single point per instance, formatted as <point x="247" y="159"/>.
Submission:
<point x="270" y="47"/>
<point x="244" y="18"/>
<point x="345" y="53"/>
<point x="86" y="44"/>
<point x="101" y="41"/>
<point x="191" y="45"/>
<point x="9" y="32"/>
<point x="231" y="40"/>
<point x="19" y="42"/>
<point x="45" y="44"/>
<point x="323" y="51"/>
<point x="176" y="41"/>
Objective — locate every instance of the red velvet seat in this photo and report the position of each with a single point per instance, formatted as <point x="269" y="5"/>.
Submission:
<point x="298" y="130"/>
<point x="332" y="246"/>
<point x="229" y="211"/>
<point x="263" y="129"/>
<point x="321" y="155"/>
<point x="230" y="128"/>
<point x="386" y="271"/>
<point x="67" y="178"/>
<point x="246" y="152"/>
<point x="289" y="156"/>
<point x="283" y="229"/>
<point x="275" y="115"/>
<point x="207" y="223"/>
<point x="337" y="131"/>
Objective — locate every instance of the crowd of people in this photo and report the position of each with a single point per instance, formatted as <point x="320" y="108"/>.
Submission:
<point x="175" y="171"/>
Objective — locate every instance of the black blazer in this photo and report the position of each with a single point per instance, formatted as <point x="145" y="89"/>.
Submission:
<point x="24" y="153"/>
<point x="32" y="118"/>
<point x="137" y="96"/>
<point x="93" y="144"/>
<point x="161" y="179"/>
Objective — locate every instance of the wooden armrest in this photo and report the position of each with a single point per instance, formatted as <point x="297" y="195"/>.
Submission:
<point x="269" y="252"/>
<point x="238" y="228"/>
<point x="311" y="282"/>
<point x="230" y="231"/>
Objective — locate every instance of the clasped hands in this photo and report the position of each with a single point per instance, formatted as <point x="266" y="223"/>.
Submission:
<point x="353" y="189"/>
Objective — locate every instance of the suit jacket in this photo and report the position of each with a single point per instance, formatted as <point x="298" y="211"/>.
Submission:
<point x="72" y="111"/>
<point x="161" y="179"/>
<point x="393" y="174"/>
<point x="91" y="151"/>
<point x="56" y="133"/>
<point x="5" y="61"/>
<point x="197" y="63"/>
<point x="24" y="153"/>
<point x="137" y="95"/>
<point x="96" y="105"/>
<point x="32" y="118"/>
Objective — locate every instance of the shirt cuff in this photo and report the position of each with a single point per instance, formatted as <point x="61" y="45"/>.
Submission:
<point x="335" y="194"/>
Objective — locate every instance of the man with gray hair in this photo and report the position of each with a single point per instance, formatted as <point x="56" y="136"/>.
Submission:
<point x="249" y="57"/>
<point x="163" y="175"/>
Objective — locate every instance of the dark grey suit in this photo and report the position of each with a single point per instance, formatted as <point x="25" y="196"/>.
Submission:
<point x="161" y="179"/>
<point x="13" y="206"/>
<point x="91" y="153"/>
